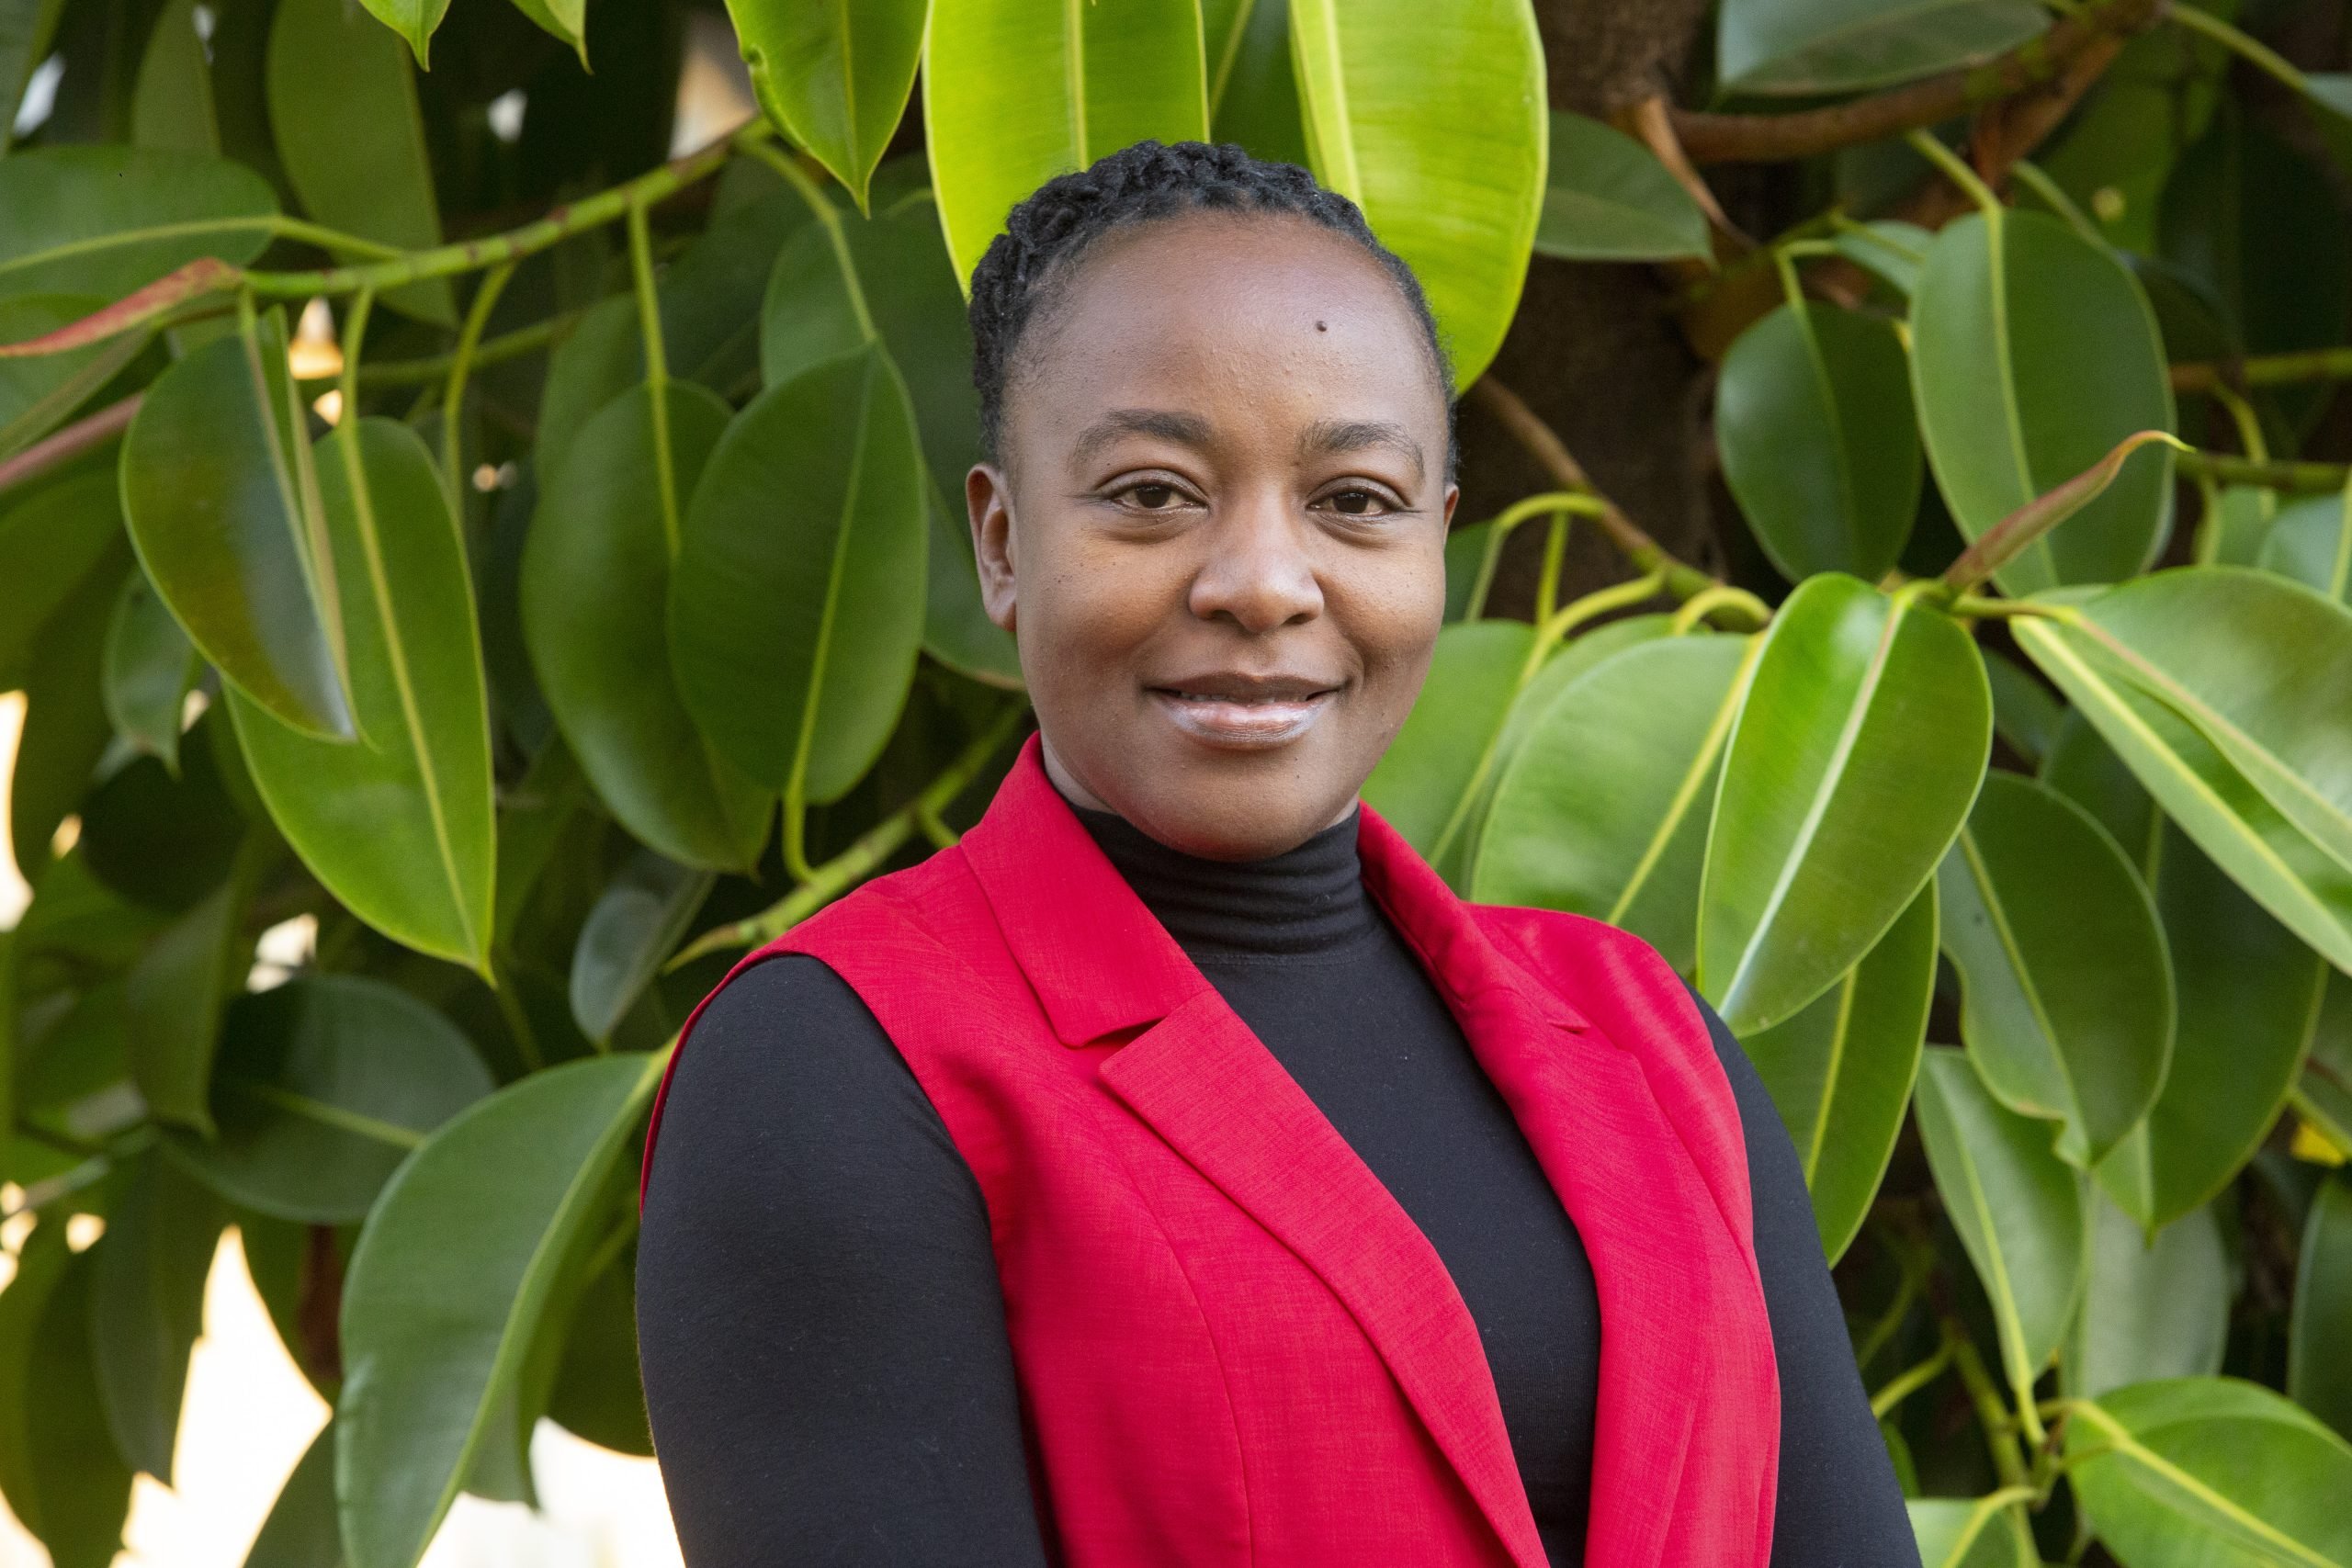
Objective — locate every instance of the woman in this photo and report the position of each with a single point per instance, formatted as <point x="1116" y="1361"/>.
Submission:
<point x="1175" y="1171"/>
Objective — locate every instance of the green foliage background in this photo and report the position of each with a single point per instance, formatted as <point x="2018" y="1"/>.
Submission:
<point x="425" y="510"/>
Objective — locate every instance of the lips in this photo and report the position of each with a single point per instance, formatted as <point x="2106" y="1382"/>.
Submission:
<point x="1235" y="711"/>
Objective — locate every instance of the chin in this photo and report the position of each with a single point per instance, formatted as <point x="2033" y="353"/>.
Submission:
<point x="1234" y="817"/>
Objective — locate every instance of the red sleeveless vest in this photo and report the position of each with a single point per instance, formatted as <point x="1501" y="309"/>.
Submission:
<point x="1233" y="1347"/>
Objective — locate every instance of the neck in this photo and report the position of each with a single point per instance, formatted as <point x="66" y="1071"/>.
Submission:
<point x="1309" y="899"/>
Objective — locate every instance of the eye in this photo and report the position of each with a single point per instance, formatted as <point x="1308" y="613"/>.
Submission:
<point x="1356" y="502"/>
<point x="1152" y="497"/>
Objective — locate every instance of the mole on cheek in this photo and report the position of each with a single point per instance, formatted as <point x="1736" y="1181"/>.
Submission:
<point x="1320" y="327"/>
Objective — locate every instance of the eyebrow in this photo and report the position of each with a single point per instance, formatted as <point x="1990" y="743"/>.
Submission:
<point x="1328" y="438"/>
<point x="1183" y="428"/>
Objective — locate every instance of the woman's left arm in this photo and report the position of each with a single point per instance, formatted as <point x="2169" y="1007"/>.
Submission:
<point x="1839" y="1505"/>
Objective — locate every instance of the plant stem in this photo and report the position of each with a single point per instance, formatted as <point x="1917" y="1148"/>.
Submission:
<point x="62" y="447"/>
<point x="1542" y="442"/>
<point x="2301" y="478"/>
<point x="2030" y="176"/>
<point x="1910" y="1382"/>
<point x="1779" y="137"/>
<point x="853" y="865"/>
<point x="452" y="394"/>
<point x="496" y="350"/>
<point x="2253" y="50"/>
<point x="2264" y="370"/>
<point x="1956" y="169"/>
<point x="1992" y="1411"/>
<point x="1722" y="596"/>
<point x="1547" y="585"/>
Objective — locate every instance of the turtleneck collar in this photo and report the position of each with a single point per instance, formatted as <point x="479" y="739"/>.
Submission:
<point x="1307" y="899"/>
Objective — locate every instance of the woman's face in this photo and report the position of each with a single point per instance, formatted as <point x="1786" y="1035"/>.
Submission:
<point x="1218" y="533"/>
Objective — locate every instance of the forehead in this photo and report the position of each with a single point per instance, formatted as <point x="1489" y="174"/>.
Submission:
<point x="1270" y="311"/>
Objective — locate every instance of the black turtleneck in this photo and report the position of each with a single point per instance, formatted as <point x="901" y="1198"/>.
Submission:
<point x="822" y="1329"/>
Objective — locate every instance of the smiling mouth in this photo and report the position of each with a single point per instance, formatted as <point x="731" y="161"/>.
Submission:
<point x="1245" y="714"/>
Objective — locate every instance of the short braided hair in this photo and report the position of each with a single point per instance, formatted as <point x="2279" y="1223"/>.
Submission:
<point x="1027" y="267"/>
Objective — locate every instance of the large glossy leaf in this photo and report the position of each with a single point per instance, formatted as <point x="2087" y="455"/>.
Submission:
<point x="595" y="577"/>
<point x="1253" y="91"/>
<point x="2306" y="890"/>
<point x="149" y="669"/>
<point x="2259" y="666"/>
<point x="1836" y="46"/>
<point x="2024" y="713"/>
<point x="1420" y="781"/>
<point x="1603" y="810"/>
<point x="2319" y="1375"/>
<point x="1858" y="748"/>
<point x="446" y="1286"/>
<point x="222" y="500"/>
<point x="2020" y="1211"/>
<point x="171" y="106"/>
<point x="49" y="540"/>
<point x="2033" y="353"/>
<point x="795" y="609"/>
<point x="1607" y="198"/>
<point x="66" y="205"/>
<point x="834" y="76"/>
<point x="37" y="394"/>
<point x="2151" y="1309"/>
<point x="1015" y="92"/>
<point x="80" y="1485"/>
<point x="2211" y="1469"/>
<point x="323" y="1086"/>
<point x="147" y="1305"/>
<point x="1813" y="414"/>
<point x="1840" y="1071"/>
<point x="637" y="923"/>
<point x="2068" y="996"/>
<point x="343" y="106"/>
<point x="1971" y="1532"/>
<point x="2247" y="993"/>
<point x="399" y="825"/>
<point x="2311" y="541"/>
<point x="1433" y="119"/>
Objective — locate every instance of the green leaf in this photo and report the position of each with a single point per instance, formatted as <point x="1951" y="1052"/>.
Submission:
<point x="835" y="77"/>
<point x="1812" y="413"/>
<point x="1858" y="748"/>
<point x="1253" y="91"/>
<point x="301" y="1530"/>
<point x="323" y="1086"/>
<point x="1840" y="1071"/>
<point x="2211" y="1469"/>
<point x="2151" y="1309"/>
<point x="794" y="607"/>
<point x="65" y="731"/>
<point x="26" y="27"/>
<point x="1421" y="782"/>
<point x="165" y="841"/>
<point x="1433" y="119"/>
<point x="149" y="669"/>
<point x="2324" y="1091"/>
<point x="2113" y="156"/>
<point x="2259" y="666"/>
<point x="224" y="504"/>
<point x="414" y="20"/>
<point x="2311" y="541"/>
<point x="2307" y="890"/>
<point x="1609" y="199"/>
<point x="147" y="1306"/>
<point x="2318" y="1376"/>
<point x="171" y="107"/>
<point x="173" y="995"/>
<point x="637" y="922"/>
<point x="1015" y="92"/>
<point x="1974" y="1532"/>
<point x="106" y="221"/>
<point x="342" y="106"/>
<point x="1892" y="250"/>
<point x="1603" y="810"/>
<point x="597" y="1392"/>
<point x="597" y="574"/>
<point x="956" y="631"/>
<point x="2019" y="1210"/>
<point x="49" y="541"/>
<point x="2067" y="992"/>
<point x="2033" y="353"/>
<point x="1803" y="47"/>
<point x="80" y="1485"/>
<point x="40" y="1264"/>
<point x="399" y="826"/>
<point x="37" y="394"/>
<point x="2024" y="713"/>
<point x="447" y="1283"/>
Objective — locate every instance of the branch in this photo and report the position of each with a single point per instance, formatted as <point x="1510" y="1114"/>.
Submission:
<point x="2264" y="370"/>
<point x="2039" y="62"/>
<point x="2303" y="479"/>
<point x="1681" y="579"/>
<point x="64" y="445"/>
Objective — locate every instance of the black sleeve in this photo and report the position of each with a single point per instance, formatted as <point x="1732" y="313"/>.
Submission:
<point x="820" y="1319"/>
<point x="1839" y="1505"/>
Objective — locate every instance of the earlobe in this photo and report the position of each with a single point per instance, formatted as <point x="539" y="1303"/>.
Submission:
<point x="988" y="499"/>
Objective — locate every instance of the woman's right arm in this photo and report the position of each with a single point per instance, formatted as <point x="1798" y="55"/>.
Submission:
<point x="820" y="1320"/>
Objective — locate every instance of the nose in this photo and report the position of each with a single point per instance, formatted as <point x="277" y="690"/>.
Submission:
<point x="1257" y="573"/>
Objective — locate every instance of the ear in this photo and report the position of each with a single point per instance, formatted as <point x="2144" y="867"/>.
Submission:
<point x="1453" y="494"/>
<point x="987" y="497"/>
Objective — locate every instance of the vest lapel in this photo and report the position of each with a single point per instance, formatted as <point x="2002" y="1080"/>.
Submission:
<point x="1102" y="965"/>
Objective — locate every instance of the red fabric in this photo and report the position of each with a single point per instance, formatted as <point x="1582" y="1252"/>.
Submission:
<point x="1233" y="1346"/>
